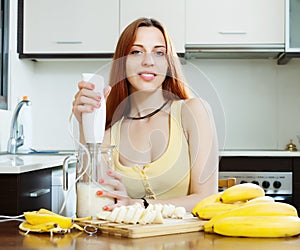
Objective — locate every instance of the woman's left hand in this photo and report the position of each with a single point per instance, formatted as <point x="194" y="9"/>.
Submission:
<point x="119" y="192"/>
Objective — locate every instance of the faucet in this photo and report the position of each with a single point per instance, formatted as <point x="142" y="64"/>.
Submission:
<point x="16" y="139"/>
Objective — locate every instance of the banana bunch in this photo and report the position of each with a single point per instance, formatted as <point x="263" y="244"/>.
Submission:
<point x="44" y="220"/>
<point x="252" y="214"/>
<point x="136" y="214"/>
<point x="233" y="197"/>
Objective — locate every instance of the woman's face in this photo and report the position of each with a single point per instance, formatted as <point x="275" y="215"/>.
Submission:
<point x="146" y="64"/>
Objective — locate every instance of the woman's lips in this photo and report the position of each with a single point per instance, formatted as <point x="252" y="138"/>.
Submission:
<point x="147" y="76"/>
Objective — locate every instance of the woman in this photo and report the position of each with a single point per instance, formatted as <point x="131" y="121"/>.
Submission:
<point x="166" y="146"/>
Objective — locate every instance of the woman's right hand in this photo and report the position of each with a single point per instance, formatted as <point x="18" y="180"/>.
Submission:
<point x="86" y="100"/>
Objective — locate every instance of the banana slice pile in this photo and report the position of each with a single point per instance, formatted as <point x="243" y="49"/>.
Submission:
<point x="136" y="214"/>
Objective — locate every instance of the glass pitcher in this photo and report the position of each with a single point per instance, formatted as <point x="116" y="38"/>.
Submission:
<point x="93" y="165"/>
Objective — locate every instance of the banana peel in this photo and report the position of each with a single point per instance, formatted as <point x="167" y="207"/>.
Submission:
<point x="45" y="220"/>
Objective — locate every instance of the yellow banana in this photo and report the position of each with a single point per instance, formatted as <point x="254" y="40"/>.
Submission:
<point x="36" y="218"/>
<point x="261" y="199"/>
<point x="43" y="216"/>
<point x="258" y="226"/>
<point x="255" y="209"/>
<point x="211" y="210"/>
<point x="46" y="211"/>
<point x="43" y="227"/>
<point x="208" y="200"/>
<point x="242" y="192"/>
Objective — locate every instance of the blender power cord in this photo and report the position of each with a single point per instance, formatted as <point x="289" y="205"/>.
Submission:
<point x="71" y="132"/>
<point x="4" y="218"/>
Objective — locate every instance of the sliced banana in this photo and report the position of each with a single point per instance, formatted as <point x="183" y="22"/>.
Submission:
<point x="147" y="217"/>
<point x="129" y="214"/>
<point x="113" y="215"/>
<point x="102" y="215"/>
<point x="137" y="214"/>
<point x="158" y="219"/>
<point x="165" y="211"/>
<point x="121" y="215"/>
<point x="134" y="214"/>
<point x="158" y="207"/>
<point x="171" y="210"/>
<point x="179" y="212"/>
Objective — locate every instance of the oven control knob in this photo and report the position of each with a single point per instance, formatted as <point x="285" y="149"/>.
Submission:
<point x="265" y="184"/>
<point x="277" y="184"/>
<point x="243" y="182"/>
<point x="255" y="182"/>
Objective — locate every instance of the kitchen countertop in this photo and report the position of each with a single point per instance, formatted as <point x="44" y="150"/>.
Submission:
<point x="21" y="163"/>
<point x="260" y="153"/>
<point x="11" y="238"/>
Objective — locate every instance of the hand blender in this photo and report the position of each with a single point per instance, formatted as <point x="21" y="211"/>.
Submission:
<point x="93" y="123"/>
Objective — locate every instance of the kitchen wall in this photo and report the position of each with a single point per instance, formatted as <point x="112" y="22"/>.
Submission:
<point x="255" y="102"/>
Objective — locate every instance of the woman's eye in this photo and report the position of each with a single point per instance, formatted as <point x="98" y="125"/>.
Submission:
<point x="159" y="53"/>
<point x="136" y="52"/>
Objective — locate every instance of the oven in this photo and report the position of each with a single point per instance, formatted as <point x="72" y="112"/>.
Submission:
<point x="279" y="185"/>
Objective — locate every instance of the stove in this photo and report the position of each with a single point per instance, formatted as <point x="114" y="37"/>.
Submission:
<point x="276" y="184"/>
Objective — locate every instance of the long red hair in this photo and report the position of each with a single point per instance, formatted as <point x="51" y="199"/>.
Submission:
<point x="173" y="84"/>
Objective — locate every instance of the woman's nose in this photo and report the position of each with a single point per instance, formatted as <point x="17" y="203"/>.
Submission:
<point x="148" y="59"/>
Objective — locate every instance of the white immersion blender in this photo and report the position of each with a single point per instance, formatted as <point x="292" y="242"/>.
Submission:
<point x="92" y="161"/>
<point x="93" y="123"/>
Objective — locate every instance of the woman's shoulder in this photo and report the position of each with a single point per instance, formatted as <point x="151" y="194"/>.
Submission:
<point x="195" y="105"/>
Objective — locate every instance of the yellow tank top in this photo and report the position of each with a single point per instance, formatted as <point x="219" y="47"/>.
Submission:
<point x="166" y="177"/>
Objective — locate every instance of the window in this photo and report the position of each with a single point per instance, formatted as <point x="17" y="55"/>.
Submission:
<point x="4" y="53"/>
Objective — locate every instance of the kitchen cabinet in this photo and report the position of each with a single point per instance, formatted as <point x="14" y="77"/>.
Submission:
<point x="24" y="192"/>
<point x="292" y="32"/>
<point x="235" y="22"/>
<point x="69" y="28"/>
<point x="163" y="11"/>
<point x="292" y="26"/>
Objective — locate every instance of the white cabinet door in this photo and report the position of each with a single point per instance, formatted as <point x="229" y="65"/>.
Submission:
<point x="235" y="21"/>
<point x="70" y="26"/>
<point x="292" y="26"/>
<point x="169" y="12"/>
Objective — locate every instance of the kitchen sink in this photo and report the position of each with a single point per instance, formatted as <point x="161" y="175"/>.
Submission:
<point x="10" y="160"/>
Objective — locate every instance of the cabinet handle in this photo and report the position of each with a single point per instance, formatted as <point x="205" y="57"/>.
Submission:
<point x="39" y="192"/>
<point x="68" y="42"/>
<point x="232" y="32"/>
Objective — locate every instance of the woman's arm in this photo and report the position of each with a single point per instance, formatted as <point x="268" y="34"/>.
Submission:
<point x="198" y="123"/>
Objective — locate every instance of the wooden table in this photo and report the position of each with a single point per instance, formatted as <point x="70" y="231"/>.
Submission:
<point x="11" y="238"/>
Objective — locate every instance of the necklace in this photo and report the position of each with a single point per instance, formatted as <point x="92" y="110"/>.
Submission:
<point x="149" y="115"/>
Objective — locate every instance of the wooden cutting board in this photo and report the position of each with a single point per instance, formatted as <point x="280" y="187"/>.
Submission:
<point x="170" y="226"/>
